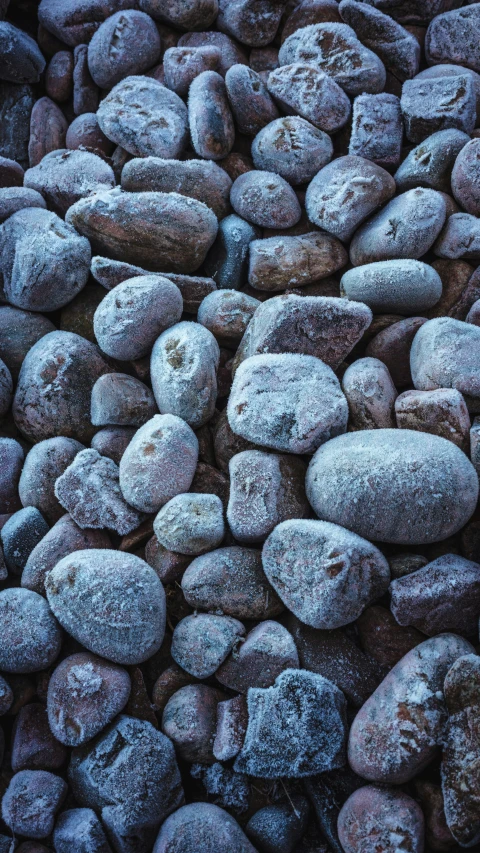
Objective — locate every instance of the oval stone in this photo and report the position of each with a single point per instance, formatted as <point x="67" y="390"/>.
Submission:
<point x="398" y="486"/>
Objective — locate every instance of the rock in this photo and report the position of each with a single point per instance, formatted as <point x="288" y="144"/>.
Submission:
<point x="295" y="728"/>
<point x="226" y="314"/>
<point x="438" y="103"/>
<point x="31" y="637"/>
<point x="55" y="386"/>
<point x="265" y="489"/>
<point x="444" y="355"/>
<point x="129" y="776"/>
<point x="33" y="745"/>
<point x="11" y="459"/>
<point x="465" y="177"/>
<point x="190" y="719"/>
<point x="250" y="102"/>
<point x="16" y="104"/>
<point x="86" y="95"/>
<point x="392" y="346"/>
<point x="383" y="638"/>
<point x="197" y="15"/>
<point x="86" y="586"/>
<point x="182" y="64"/>
<point x="199" y="179"/>
<point x="430" y="163"/>
<point x="277" y="263"/>
<point x="64" y="537"/>
<point x="89" y="490"/>
<point x="19" y="536"/>
<point x="335" y="49"/>
<point x="293" y="148"/>
<point x="113" y="441"/>
<point x="85" y="693"/>
<point x="230" y="51"/>
<point x="452" y="37"/>
<point x="345" y="192"/>
<point x="48" y="128"/>
<point x="441" y="412"/>
<point x="398" y="48"/>
<point x="232" y="581"/>
<point x="377" y="129"/>
<point x="277" y="828"/>
<point x="232" y="719"/>
<point x="127" y="43"/>
<point x="373" y="816"/>
<point x="442" y="596"/>
<point x="19" y="331"/>
<point x="82" y="828"/>
<point x="64" y="177"/>
<point x="267" y="651"/>
<point x="306" y="405"/>
<point x="200" y="643"/>
<point x="31" y="801"/>
<point x="370" y="394"/>
<point x="190" y="523"/>
<point x="183" y="368"/>
<point x="460" y="238"/>
<point x="43" y="260"/>
<point x="399" y="728"/>
<point x="212" y="129"/>
<point x="460" y="751"/>
<point x="163" y="231"/>
<point x="324" y="574"/>
<point x="13" y="199"/>
<point x="404" y="286"/>
<point x="227" y="260"/>
<point x="265" y="199"/>
<point x="202" y="824"/>
<point x="121" y="399"/>
<point x="304" y="89"/>
<point x="45" y="462"/>
<point x="403" y="486"/>
<point x="405" y="228"/>
<point x="159" y="463"/>
<point x="437" y="833"/>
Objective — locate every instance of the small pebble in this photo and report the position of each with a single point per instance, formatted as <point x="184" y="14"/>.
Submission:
<point x="190" y="523"/>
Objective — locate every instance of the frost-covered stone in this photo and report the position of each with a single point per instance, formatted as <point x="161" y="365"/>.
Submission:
<point x="380" y="816"/>
<point x="305" y="407"/>
<point x="277" y="263"/>
<point x="182" y="64"/>
<point x="345" y="192"/>
<point x="190" y="721"/>
<point x="453" y="37"/>
<point x="85" y="693"/>
<point x="44" y="261"/>
<point x="145" y="118"/>
<point x="395" y="486"/>
<point x="399" y="728"/>
<point x="33" y="745"/>
<point x="293" y="148"/>
<point x="159" y="463"/>
<point x="377" y="129"/>
<point x="460" y="238"/>
<point x="403" y="286"/>
<point x="44" y="464"/>
<point x="127" y="43"/>
<point x="212" y="129"/>
<point x="227" y="260"/>
<point x="64" y="537"/>
<point x="295" y="728"/>
<point x="250" y="102"/>
<point x="63" y="177"/>
<point x="445" y="354"/>
<point x="31" y="802"/>
<point x="406" y="227"/>
<point x="55" y="386"/>
<point x="370" y="394"/>
<point x="304" y="89"/>
<point x="232" y="719"/>
<point x="89" y="489"/>
<point x="324" y="574"/>
<point x="79" y="829"/>
<point x="441" y="412"/>
<point x="430" y="163"/>
<point x="442" y="596"/>
<point x="19" y="536"/>
<point x="461" y="751"/>
<point x="268" y="650"/>
<point x="161" y="231"/>
<point x="226" y="314"/>
<point x="438" y="103"/>
<point x="265" y="199"/>
<point x="202" y="826"/>
<point x="201" y="643"/>
<point x="231" y="581"/>
<point x="190" y="523"/>
<point x="200" y="179"/>
<point x="86" y="587"/>
<point x="11" y="462"/>
<point x="466" y="177"/>
<point x="31" y="638"/>
<point x="336" y="50"/>
<point x="398" y="48"/>
<point x="183" y="370"/>
<point x="130" y="777"/>
<point x="121" y="400"/>
<point x="265" y="489"/>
